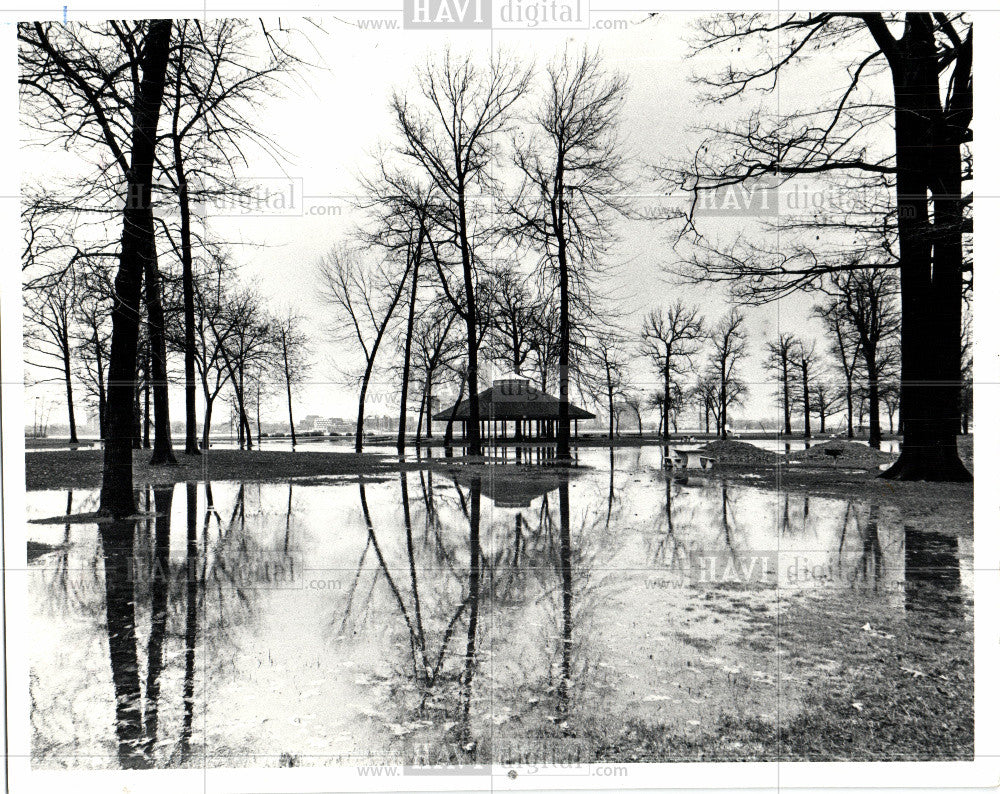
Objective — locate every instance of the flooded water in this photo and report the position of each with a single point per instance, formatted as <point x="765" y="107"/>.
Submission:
<point x="607" y="613"/>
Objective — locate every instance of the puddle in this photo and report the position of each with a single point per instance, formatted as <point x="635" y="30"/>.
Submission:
<point x="611" y="613"/>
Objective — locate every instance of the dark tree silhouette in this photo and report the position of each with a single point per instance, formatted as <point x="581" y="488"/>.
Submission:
<point x="929" y="61"/>
<point x="670" y="343"/>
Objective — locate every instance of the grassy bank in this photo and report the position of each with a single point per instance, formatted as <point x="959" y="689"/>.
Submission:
<point x="82" y="468"/>
<point x="918" y="503"/>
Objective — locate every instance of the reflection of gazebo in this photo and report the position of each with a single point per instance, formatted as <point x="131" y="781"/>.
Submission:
<point x="516" y="486"/>
<point x="533" y="413"/>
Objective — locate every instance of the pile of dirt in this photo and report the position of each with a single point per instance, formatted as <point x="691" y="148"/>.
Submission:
<point x="852" y="453"/>
<point x="740" y="453"/>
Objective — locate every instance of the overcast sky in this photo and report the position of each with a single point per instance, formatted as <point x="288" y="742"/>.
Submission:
<point x="332" y="120"/>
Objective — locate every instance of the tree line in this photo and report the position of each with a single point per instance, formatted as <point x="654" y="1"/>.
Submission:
<point x="154" y="112"/>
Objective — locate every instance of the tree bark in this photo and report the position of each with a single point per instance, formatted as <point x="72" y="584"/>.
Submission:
<point x="288" y="386"/>
<point x="146" y="422"/>
<point x="69" y="388"/>
<point x="786" y="396"/>
<point x="562" y="442"/>
<point x="163" y="452"/>
<point x="930" y="283"/>
<point x="207" y="423"/>
<point x="471" y="332"/>
<point x="187" y="286"/>
<point x="448" y="430"/>
<point x="117" y="497"/>
<point x="359" y="431"/>
<point x="874" y="400"/>
<point x="807" y="430"/>
<point x="407" y="346"/>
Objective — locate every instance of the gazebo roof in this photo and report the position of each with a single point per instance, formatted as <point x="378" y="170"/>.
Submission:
<point x="512" y="399"/>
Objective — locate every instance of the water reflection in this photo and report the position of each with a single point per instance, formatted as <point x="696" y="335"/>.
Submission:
<point x="463" y="616"/>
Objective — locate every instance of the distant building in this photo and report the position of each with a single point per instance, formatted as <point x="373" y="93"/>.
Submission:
<point x="314" y="423"/>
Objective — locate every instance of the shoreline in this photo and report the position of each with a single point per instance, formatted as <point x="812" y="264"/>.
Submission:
<point x="918" y="502"/>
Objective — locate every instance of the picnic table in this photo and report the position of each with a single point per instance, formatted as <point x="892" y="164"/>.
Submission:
<point x="684" y="457"/>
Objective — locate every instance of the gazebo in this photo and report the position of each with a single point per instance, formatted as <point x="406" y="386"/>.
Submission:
<point x="531" y="412"/>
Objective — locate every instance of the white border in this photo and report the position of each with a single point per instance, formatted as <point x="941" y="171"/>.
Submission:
<point x="983" y="772"/>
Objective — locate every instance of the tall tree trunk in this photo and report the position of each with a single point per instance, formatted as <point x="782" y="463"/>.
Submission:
<point x="207" y="423"/>
<point x="359" y="432"/>
<point x="258" y="413"/>
<point x="146" y="388"/>
<point x="562" y="442"/>
<point x="786" y="397"/>
<point x="723" y="399"/>
<point x="449" y="428"/>
<point x="244" y="420"/>
<point x="429" y="400"/>
<point x="850" y="407"/>
<point x="137" y="243"/>
<point x="288" y="386"/>
<point x="930" y="281"/>
<point x="471" y="331"/>
<point x="187" y="287"/>
<point x="69" y="387"/>
<point x="420" y="417"/>
<point x="874" y="400"/>
<point x="666" y="400"/>
<point x="407" y="346"/>
<point x="163" y="452"/>
<point x="807" y="430"/>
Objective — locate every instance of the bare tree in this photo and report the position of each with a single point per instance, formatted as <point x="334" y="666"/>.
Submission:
<point x="802" y="356"/>
<point x="928" y="57"/>
<point x="670" y="343"/>
<point x="437" y="348"/>
<point x="729" y="348"/>
<point x="451" y="135"/>
<point x="779" y="361"/>
<point x="706" y="391"/>
<point x="868" y="300"/>
<point x="514" y="311"/>
<point x="212" y="332"/>
<point x="93" y="311"/>
<point x="365" y="294"/>
<point x="65" y="76"/>
<point x="609" y="379"/>
<point x="572" y="182"/>
<point x="633" y="400"/>
<point x="50" y="311"/>
<point x="66" y="79"/>
<point x="291" y="344"/>
<point x="845" y="349"/>
<point x="247" y="350"/>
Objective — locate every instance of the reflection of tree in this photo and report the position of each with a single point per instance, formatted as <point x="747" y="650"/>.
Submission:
<point x="475" y="553"/>
<point x="425" y="671"/>
<point x="195" y="581"/>
<point x="159" y="590"/>
<point x="118" y="543"/>
<point x="427" y="663"/>
<point x="566" y="579"/>
<point x="932" y="574"/>
<point x="729" y="528"/>
<point x="870" y="564"/>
